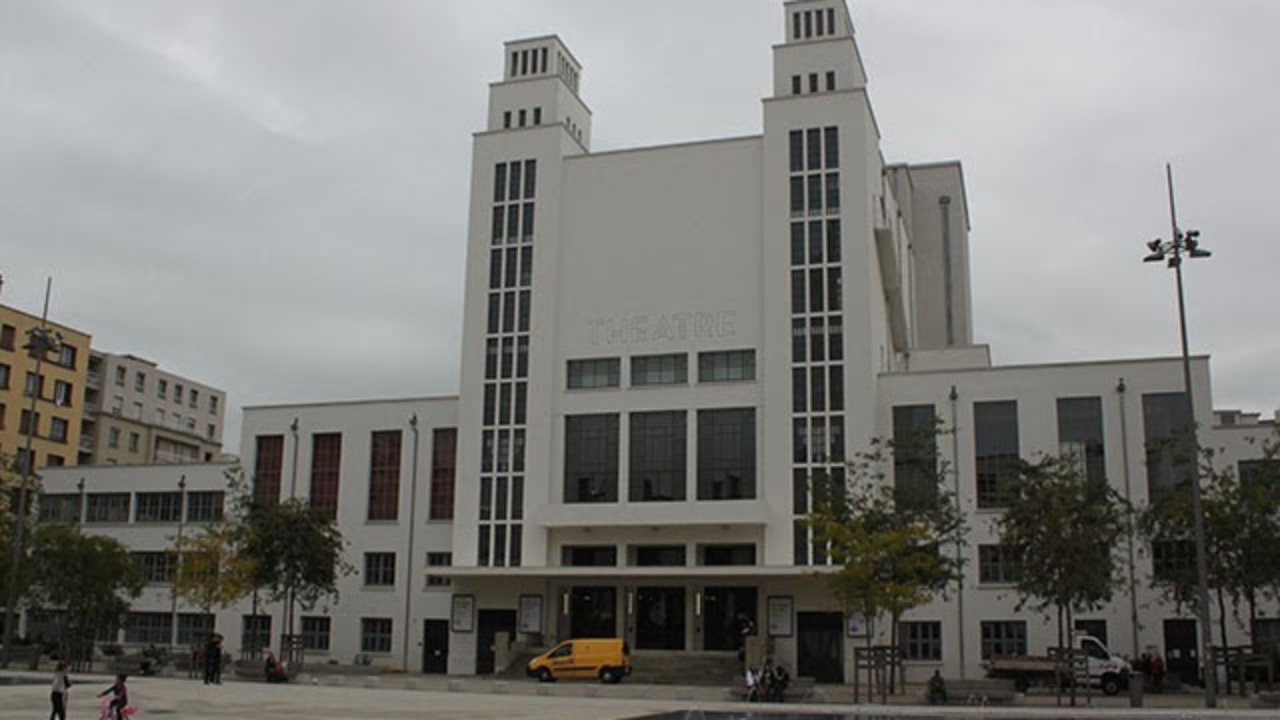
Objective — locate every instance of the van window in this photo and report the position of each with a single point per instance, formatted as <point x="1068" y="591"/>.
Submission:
<point x="1096" y="651"/>
<point x="563" y="651"/>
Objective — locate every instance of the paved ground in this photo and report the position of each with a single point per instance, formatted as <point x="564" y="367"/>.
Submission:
<point x="472" y="698"/>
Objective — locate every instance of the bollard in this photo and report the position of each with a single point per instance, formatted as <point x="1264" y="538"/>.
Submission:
<point x="1136" y="681"/>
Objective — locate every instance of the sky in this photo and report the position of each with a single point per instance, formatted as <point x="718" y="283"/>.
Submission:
<point x="271" y="197"/>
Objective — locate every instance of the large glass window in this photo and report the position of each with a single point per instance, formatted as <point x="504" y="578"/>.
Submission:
<point x="268" y="461"/>
<point x="315" y="633"/>
<point x="594" y="373"/>
<point x="443" y="469"/>
<point x="915" y="454"/>
<point x="379" y="569"/>
<point x="159" y="507"/>
<point x="589" y="555"/>
<point x="995" y="449"/>
<point x="326" y="466"/>
<point x="107" y="507"/>
<point x="384" y="475"/>
<point x="375" y="634"/>
<point x="658" y="456"/>
<point x="658" y="556"/>
<point x="591" y="458"/>
<point x="1080" y="435"/>
<point x="156" y="567"/>
<point x="205" y="505"/>
<point x="1003" y="637"/>
<point x="921" y="640"/>
<point x="997" y="565"/>
<point x="659" y="370"/>
<point x="727" y="366"/>
<point x="59" y="508"/>
<point x="1167" y="425"/>
<point x="148" y="628"/>
<point x="727" y="454"/>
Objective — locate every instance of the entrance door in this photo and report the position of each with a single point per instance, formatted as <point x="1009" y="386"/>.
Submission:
<point x="721" y="629"/>
<point x="491" y="623"/>
<point x="435" y="646"/>
<point x="1181" y="650"/>
<point x="818" y="636"/>
<point x="660" y="618"/>
<point x="593" y="612"/>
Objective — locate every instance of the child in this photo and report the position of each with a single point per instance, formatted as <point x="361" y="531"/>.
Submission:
<point x="119" y="697"/>
<point x="59" y="694"/>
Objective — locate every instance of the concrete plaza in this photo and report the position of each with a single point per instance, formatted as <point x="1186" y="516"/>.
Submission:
<point x="466" y="698"/>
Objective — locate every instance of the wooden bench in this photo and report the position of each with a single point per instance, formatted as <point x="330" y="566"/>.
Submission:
<point x="986" y="691"/>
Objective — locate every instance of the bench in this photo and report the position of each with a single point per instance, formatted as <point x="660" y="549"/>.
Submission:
<point x="981" y="692"/>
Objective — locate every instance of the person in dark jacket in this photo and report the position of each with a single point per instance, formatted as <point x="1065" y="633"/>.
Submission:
<point x="119" y="696"/>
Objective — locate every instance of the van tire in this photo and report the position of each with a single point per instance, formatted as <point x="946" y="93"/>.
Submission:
<point x="1111" y="684"/>
<point x="544" y="675"/>
<point x="610" y="676"/>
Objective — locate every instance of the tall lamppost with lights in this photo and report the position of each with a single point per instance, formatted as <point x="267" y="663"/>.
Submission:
<point x="177" y="562"/>
<point x="43" y="340"/>
<point x="1186" y="244"/>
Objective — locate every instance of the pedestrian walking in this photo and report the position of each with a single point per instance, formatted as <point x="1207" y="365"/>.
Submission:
<point x="58" y="694"/>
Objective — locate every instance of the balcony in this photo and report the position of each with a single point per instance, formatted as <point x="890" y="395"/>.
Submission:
<point x="94" y="380"/>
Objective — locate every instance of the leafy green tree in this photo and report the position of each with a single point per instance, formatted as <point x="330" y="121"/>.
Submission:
<point x="892" y="543"/>
<point x="15" y="586"/>
<point x="295" y="553"/>
<point x="86" y="580"/>
<point x="1064" y="532"/>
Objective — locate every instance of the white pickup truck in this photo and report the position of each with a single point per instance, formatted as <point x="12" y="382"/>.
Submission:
<point x="1107" y="671"/>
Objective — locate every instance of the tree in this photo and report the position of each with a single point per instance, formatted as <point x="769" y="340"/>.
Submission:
<point x="1064" y="532"/>
<point x="213" y="569"/>
<point x="890" y="540"/>
<point x="85" y="580"/>
<point x="295" y="553"/>
<point x="15" y="584"/>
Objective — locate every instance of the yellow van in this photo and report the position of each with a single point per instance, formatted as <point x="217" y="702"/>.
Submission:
<point x="606" y="658"/>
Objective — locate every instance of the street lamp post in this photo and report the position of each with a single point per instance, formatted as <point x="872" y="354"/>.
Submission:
<point x="42" y="342"/>
<point x="1187" y="245"/>
<point x="177" y="559"/>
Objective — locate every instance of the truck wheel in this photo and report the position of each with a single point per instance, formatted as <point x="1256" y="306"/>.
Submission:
<point x="544" y="675"/>
<point x="1111" y="684"/>
<point x="609" y="676"/>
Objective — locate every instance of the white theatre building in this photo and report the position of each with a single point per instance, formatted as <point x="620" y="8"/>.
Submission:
<point x="662" y="344"/>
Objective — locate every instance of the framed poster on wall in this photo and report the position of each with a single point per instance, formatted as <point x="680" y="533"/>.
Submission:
<point x="530" y="614"/>
<point x="463" y="615"/>
<point x="780" y="609"/>
<point x="857" y="625"/>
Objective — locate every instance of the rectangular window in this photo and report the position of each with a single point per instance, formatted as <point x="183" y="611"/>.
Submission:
<point x="444" y="450"/>
<point x="1003" y="637"/>
<point x="205" y="505"/>
<point x="813" y="143"/>
<point x="727" y="366"/>
<point x="1172" y="559"/>
<point x="1167" y="424"/>
<point x="162" y="388"/>
<point x="62" y="393"/>
<point x="375" y="635"/>
<point x="315" y="633"/>
<point x="157" y="567"/>
<point x="59" y="508"/>
<point x="797" y="196"/>
<point x="268" y="463"/>
<point x="379" y="569"/>
<point x="500" y="182"/>
<point x="159" y="507"/>
<point x="831" y="145"/>
<point x="659" y="370"/>
<point x="194" y="628"/>
<point x="107" y="507"/>
<point x="384" y="475"/>
<point x="530" y="179"/>
<point x="594" y="373"/>
<point x="33" y="385"/>
<point x="148" y="628"/>
<point x="921" y="640"/>
<point x="915" y="455"/>
<point x="658" y="556"/>
<point x="8" y="336"/>
<point x="831" y="80"/>
<point x="437" y="560"/>
<point x="996" y="449"/>
<point x="724" y="555"/>
<point x="1080" y="435"/>
<point x="796" y="141"/>
<point x="589" y="556"/>
<point x="591" y="458"/>
<point x="5" y="372"/>
<point x="326" y="467"/>
<point x="727" y="454"/>
<point x="657" y="468"/>
<point x="833" y="192"/>
<point x="996" y="565"/>
<point x="140" y="381"/>
<point x="255" y="632"/>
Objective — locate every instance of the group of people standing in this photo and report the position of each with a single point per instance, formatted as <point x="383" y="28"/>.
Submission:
<point x="115" y="704"/>
<point x="767" y="683"/>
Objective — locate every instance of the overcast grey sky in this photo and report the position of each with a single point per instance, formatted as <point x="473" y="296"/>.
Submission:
<point x="271" y="196"/>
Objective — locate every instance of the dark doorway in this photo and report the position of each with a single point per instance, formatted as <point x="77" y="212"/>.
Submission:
<point x="721" y="607"/>
<point x="818" y="636"/>
<point x="593" y="612"/>
<point x="1181" y="653"/>
<point x="435" y="646"/>
<point x="660" y="618"/>
<point x="491" y="623"/>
